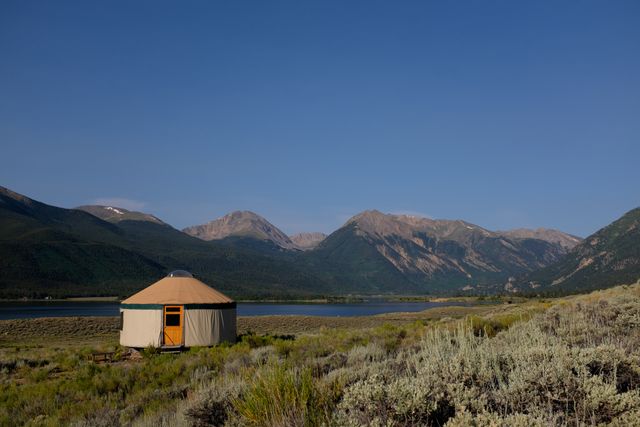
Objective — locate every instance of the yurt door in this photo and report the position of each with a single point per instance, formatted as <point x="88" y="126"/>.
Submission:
<point x="173" y="321"/>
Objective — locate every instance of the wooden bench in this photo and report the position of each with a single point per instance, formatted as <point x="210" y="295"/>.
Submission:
<point x="102" y="357"/>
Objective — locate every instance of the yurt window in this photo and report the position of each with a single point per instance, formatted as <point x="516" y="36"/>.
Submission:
<point x="172" y="316"/>
<point x="121" y="319"/>
<point x="172" y="320"/>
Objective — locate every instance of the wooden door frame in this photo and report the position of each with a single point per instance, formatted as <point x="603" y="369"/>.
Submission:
<point x="164" y="321"/>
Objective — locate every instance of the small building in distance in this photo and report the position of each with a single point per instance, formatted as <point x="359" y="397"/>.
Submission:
<point x="177" y="311"/>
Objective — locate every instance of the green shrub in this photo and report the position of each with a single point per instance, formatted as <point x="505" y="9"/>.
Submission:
<point x="213" y="404"/>
<point x="569" y="366"/>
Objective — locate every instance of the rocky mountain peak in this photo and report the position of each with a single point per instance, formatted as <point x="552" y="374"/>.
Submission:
<point x="407" y="226"/>
<point x="241" y="224"/>
<point x="116" y="214"/>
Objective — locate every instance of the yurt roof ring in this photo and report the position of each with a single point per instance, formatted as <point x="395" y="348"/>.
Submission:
<point x="180" y="273"/>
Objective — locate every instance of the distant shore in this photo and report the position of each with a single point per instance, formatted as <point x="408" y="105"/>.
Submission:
<point x="70" y="299"/>
<point x="328" y="300"/>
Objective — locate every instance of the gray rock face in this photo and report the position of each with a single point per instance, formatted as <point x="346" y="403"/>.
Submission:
<point x="307" y="241"/>
<point x="241" y="224"/>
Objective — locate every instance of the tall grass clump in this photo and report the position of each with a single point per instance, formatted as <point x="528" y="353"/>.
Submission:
<point x="279" y="396"/>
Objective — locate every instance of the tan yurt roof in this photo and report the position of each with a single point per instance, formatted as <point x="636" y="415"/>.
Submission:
<point x="179" y="287"/>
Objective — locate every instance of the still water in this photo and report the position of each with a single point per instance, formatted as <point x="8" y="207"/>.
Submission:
<point x="31" y="309"/>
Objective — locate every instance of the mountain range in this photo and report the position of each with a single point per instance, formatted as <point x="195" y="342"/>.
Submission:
<point x="107" y="250"/>
<point x="51" y="251"/>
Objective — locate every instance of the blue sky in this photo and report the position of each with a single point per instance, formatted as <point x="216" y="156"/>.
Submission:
<point x="505" y="114"/>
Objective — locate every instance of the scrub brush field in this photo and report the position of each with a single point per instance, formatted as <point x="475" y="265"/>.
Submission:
<point x="565" y="361"/>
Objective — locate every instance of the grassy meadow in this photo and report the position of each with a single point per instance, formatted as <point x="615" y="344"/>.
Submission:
<point x="566" y="361"/>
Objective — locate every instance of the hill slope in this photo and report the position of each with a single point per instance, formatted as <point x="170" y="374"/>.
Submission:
<point x="565" y="240"/>
<point x="609" y="257"/>
<point x="69" y="250"/>
<point x="306" y="241"/>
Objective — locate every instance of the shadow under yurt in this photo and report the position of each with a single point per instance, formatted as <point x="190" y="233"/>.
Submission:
<point x="177" y="311"/>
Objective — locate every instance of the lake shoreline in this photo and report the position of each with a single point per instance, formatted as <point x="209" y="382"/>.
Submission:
<point x="109" y="308"/>
<point x="65" y="328"/>
<point x="339" y="299"/>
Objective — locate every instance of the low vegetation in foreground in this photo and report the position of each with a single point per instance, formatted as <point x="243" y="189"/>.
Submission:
<point x="570" y="361"/>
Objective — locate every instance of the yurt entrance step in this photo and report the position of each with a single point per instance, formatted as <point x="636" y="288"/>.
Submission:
<point x="171" y="348"/>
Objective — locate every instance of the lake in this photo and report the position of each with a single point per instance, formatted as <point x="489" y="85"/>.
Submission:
<point x="31" y="309"/>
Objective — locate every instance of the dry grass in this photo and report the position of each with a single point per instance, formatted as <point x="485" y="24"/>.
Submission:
<point x="569" y="361"/>
<point x="21" y="330"/>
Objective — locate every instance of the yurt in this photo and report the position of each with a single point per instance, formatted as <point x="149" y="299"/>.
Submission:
<point x="177" y="311"/>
